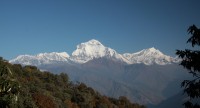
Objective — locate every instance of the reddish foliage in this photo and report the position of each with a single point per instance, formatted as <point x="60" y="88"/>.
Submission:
<point x="43" y="101"/>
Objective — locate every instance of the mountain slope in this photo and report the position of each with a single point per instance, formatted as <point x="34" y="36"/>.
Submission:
<point x="144" y="84"/>
<point x="47" y="90"/>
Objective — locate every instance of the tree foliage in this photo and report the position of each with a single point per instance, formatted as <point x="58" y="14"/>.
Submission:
<point x="191" y="61"/>
<point x="46" y="90"/>
<point x="9" y="87"/>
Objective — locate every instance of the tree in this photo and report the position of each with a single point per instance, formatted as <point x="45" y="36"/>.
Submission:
<point x="191" y="61"/>
<point x="9" y="88"/>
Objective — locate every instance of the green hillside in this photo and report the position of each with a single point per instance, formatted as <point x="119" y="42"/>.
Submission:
<point x="28" y="87"/>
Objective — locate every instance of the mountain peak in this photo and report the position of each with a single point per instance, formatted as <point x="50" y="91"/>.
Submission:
<point x="90" y="47"/>
<point x="94" y="42"/>
<point x="88" y="50"/>
<point x="94" y="49"/>
<point x="149" y="56"/>
<point x="152" y="49"/>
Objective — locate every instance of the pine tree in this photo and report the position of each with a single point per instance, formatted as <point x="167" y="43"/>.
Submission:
<point x="191" y="61"/>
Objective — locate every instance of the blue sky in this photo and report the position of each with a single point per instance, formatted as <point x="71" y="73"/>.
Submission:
<point x="35" y="26"/>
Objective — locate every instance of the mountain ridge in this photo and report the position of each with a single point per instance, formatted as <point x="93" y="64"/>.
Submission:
<point x="94" y="49"/>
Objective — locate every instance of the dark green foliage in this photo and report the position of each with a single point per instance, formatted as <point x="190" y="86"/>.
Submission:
<point x="46" y="90"/>
<point x="9" y="87"/>
<point x="191" y="61"/>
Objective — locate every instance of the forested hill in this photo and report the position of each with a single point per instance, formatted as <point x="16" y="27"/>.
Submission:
<point x="28" y="87"/>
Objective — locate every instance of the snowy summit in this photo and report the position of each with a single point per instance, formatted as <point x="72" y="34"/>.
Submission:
<point x="42" y="58"/>
<point x="149" y="56"/>
<point x="94" y="49"/>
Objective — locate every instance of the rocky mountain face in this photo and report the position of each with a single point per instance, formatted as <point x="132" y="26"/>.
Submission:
<point x="146" y="77"/>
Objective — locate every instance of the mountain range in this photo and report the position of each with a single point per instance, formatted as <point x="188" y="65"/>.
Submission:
<point x="147" y="77"/>
<point x="93" y="49"/>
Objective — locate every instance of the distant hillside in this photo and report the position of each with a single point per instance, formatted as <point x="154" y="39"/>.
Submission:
<point x="46" y="90"/>
<point x="175" y="101"/>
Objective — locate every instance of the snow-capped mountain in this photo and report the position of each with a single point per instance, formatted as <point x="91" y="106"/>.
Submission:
<point x="93" y="49"/>
<point x="42" y="58"/>
<point x="149" y="56"/>
<point x="115" y="74"/>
